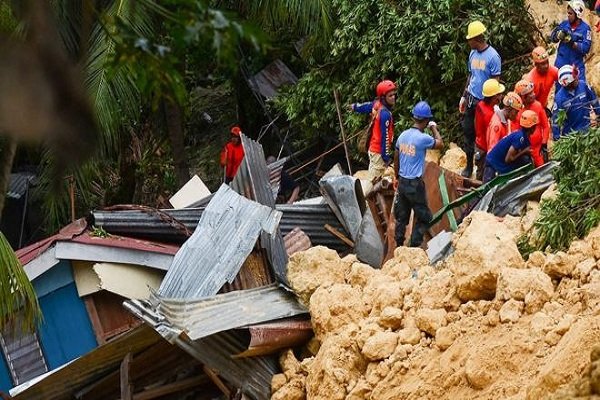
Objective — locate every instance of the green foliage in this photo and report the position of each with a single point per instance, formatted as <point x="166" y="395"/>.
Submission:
<point x="16" y="292"/>
<point x="420" y="45"/>
<point x="576" y="209"/>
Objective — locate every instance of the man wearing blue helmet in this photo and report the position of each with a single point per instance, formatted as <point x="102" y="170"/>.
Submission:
<point x="409" y="165"/>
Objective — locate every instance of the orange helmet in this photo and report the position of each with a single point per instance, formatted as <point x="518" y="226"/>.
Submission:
<point x="236" y="131"/>
<point x="528" y="119"/>
<point x="539" y="55"/>
<point x="523" y="87"/>
<point x="385" y="86"/>
<point x="513" y="100"/>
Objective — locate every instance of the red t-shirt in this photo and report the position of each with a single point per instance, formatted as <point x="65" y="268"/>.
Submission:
<point x="543" y="83"/>
<point x="231" y="158"/>
<point x="483" y="115"/>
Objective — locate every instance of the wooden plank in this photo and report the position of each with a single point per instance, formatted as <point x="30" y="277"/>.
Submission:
<point x="339" y="235"/>
<point x="212" y="375"/>
<point x="96" y="324"/>
<point x="170" y="388"/>
<point x="126" y="387"/>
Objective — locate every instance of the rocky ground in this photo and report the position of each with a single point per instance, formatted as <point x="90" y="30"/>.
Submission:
<point x="481" y="324"/>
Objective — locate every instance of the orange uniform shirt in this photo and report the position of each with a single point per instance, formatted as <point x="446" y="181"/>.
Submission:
<point x="543" y="124"/>
<point x="542" y="84"/>
<point x="498" y="128"/>
<point x="231" y="158"/>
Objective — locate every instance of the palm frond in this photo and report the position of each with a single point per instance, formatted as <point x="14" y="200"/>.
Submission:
<point x="308" y="17"/>
<point x="16" y="292"/>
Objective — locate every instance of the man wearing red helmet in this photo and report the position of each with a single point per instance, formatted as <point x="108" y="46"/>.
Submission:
<point x="232" y="154"/>
<point x="382" y="127"/>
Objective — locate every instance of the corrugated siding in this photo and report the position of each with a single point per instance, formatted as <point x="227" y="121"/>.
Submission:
<point x="213" y="255"/>
<point x="204" y="317"/>
<point x="23" y="355"/>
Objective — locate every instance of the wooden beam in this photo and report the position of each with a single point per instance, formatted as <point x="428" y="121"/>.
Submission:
<point x="339" y="235"/>
<point x="217" y="381"/>
<point x="126" y="386"/>
<point x="174" y="387"/>
<point x="90" y="306"/>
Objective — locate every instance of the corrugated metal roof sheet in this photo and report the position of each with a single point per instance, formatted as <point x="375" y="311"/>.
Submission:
<point x="252" y="181"/>
<point x="252" y="375"/>
<point x="271" y="78"/>
<point x="213" y="255"/>
<point x="203" y="317"/>
<point x="61" y="383"/>
<point x="19" y="183"/>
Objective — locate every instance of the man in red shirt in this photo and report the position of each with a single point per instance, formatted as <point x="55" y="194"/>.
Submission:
<point x="539" y="139"/>
<point x="492" y="95"/>
<point x="543" y="75"/>
<point x="504" y="121"/>
<point x="232" y="154"/>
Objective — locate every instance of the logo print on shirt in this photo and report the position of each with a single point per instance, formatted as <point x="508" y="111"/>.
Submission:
<point x="408" y="149"/>
<point x="478" y="63"/>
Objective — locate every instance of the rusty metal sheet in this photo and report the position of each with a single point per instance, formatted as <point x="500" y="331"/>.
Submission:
<point x="275" y="336"/>
<point x="296" y="241"/>
<point x="271" y="78"/>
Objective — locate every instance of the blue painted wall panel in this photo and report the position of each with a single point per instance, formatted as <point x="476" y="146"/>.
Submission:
<point x="66" y="332"/>
<point x="55" y="278"/>
<point x="5" y="379"/>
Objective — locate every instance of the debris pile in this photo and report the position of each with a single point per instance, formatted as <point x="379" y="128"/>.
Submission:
<point x="483" y="323"/>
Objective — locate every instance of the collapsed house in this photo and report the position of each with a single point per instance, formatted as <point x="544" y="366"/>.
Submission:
<point x="218" y="297"/>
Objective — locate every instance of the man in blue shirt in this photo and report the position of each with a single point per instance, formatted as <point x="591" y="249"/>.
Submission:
<point x="572" y="104"/>
<point x="575" y="37"/>
<point x="409" y="165"/>
<point x="513" y="150"/>
<point x="484" y="64"/>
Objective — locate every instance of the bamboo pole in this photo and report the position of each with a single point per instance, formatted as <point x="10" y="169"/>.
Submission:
<point x="336" y="95"/>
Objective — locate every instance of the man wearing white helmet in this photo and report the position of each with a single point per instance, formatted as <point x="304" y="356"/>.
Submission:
<point x="575" y="100"/>
<point x="575" y="37"/>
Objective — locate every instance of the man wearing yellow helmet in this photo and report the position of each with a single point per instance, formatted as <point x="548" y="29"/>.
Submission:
<point x="484" y="63"/>
<point x="492" y="95"/>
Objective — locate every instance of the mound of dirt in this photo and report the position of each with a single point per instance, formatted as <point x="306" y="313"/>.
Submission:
<point x="481" y="324"/>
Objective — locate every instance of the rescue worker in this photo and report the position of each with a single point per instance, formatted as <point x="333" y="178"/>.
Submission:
<point x="512" y="151"/>
<point x="504" y="121"/>
<point x="409" y="165"/>
<point x="382" y="130"/>
<point x="539" y="139"/>
<point x="484" y="63"/>
<point x="492" y="95"/>
<point x="543" y="75"/>
<point x="575" y="37"/>
<point x="232" y="154"/>
<point x="575" y="99"/>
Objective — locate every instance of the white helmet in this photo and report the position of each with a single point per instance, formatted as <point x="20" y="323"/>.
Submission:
<point x="577" y="6"/>
<point x="566" y="75"/>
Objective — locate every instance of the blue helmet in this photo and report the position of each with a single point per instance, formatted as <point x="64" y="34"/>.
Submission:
<point x="422" y="110"/>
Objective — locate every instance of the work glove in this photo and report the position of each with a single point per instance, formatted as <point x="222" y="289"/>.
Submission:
<point x="432" y="124"/>
<point x="544" y="152"/>
<point x="561" y="35"/>
<point x="462" y="105"/>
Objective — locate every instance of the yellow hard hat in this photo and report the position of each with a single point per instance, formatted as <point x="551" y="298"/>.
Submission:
<point x="475" y="29"/>
<point x="492" y="87"/>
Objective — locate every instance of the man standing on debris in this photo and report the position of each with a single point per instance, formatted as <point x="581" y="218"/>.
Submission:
<point x="572" y="104"/>
<point x="539" y="139"/>
<point x="381" y="130"/>
<point x="575" y="37"/>
<point x="504" y="121"/>
<point x="484" y="64"/>
<point x="543" y="75"/>
<point x="512" y="151"/>
<point x="232" y="154"/>
<point x="409" y="166"/>
<point x="492" y="95"/>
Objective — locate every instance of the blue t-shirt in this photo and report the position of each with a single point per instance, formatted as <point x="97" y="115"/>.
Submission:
<point x="497" y="156"/>
<point x="412" y="144"/>
<point x="482" y="66"/>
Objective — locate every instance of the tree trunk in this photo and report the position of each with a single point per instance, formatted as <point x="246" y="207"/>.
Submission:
<point x="174" y="116"/>
<point x="7" y="155"/>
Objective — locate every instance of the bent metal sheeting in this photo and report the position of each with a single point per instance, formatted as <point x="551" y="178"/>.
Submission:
<point x="213" y="255"/>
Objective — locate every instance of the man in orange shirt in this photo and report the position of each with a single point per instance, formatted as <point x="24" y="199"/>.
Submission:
<point x="539" y="139"/>
<point x="492" y="95"/>
<point x="232" y="154"/>
<point x="543" y="75"/>
<point x="504" y="121"/>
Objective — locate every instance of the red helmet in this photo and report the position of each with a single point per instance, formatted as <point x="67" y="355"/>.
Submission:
<point x="384" y="87"/>
<point x="236" y="131"/>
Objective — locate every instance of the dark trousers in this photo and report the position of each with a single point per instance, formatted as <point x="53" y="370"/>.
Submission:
<point x="411" y="195"/>
<point x="479" y="162"/>
<point x="469" y="130"/>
